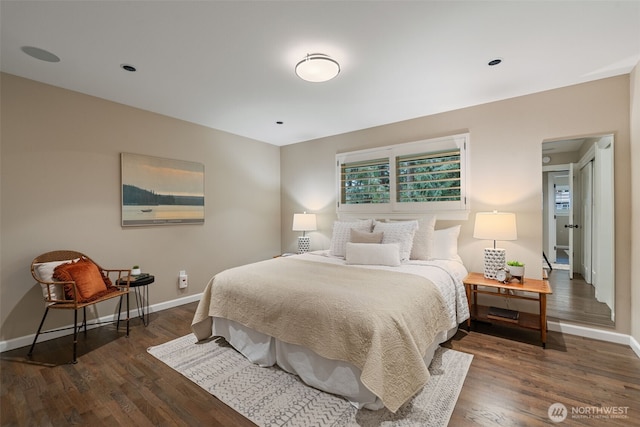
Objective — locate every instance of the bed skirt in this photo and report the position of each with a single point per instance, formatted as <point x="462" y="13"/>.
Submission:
<point x="332" y="376"/>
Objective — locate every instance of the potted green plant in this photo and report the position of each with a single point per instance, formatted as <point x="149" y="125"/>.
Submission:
<point x="135" y="271"/>
<point x="516" y="268"/>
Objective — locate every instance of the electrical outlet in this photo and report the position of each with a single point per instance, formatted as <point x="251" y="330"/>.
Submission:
<point x="183" y="279"/>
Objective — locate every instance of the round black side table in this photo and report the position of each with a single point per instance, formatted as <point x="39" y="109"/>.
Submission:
<point x="142" y="296"/>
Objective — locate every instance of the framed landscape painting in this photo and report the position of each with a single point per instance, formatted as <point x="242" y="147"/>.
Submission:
<point x="158" y="191"/>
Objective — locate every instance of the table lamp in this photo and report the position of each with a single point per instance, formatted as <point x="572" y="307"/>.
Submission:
<point x="495" y="226"/>
<point x="304" y="222"/>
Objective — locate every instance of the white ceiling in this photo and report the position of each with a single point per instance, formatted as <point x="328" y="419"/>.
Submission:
<point x="229" y="65"/>
<point x="564" y="146"/>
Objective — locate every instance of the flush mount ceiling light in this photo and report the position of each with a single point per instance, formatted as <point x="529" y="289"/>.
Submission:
<point x="317" y="67"/>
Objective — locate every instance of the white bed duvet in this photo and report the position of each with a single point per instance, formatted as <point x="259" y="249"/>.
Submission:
<point x="337" y="376"/>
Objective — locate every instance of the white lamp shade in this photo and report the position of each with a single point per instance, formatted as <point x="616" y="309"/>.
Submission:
<point x="495" y="226"/>
<point x="304" y="222"/>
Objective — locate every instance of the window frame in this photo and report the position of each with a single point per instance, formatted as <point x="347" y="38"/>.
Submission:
<point x="454" y="210"/>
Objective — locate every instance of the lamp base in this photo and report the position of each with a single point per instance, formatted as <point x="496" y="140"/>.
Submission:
<point x="494" y="259"/>
<point x="304" y="244"/>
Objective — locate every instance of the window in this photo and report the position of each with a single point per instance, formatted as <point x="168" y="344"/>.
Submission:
<point x="428" y="177"/>
<point x="365" y="182"/>
<point x="425" y="176"/>
<point x="563" y="199"/>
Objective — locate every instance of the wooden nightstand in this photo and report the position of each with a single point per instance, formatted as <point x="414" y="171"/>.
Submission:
<point x="495" y="288"/>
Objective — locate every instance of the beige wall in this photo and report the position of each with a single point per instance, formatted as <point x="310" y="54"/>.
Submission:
<point x="60" y="189"/>
<point x="635" y="200"/>
<point x="505" y="162"/>
<point x="60" y="185"/>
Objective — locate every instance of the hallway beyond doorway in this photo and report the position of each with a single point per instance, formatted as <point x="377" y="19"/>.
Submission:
<point x="574" y="300"/>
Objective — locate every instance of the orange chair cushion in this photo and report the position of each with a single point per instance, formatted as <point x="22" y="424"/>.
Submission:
<point x="90" y="282"/>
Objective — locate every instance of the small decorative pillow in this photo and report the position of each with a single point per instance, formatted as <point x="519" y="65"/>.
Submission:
<point x="400" y="232"/>
<point x="365" y="237"/>
<point x="44" y="271"/>
<point x="445" y="244"/>
<point x="422" y="248"/>
<point x="91" y="284"/>
<point x="373" y="254"/>
<point x="342" y="233"/>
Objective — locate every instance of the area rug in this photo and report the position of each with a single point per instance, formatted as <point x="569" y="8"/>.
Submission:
<point x="271" y="397"/>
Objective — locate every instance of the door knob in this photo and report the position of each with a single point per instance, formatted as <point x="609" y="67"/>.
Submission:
<point x="571" y="226"/>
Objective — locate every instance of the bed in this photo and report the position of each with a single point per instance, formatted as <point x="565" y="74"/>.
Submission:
<point x="360" y="325"/>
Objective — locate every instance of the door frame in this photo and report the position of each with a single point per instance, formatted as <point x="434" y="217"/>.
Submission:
<point x="551" y="211"/>
<point x="586" y="182"/>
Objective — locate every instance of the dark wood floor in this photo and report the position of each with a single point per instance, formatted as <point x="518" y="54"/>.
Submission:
<point x="512" y="380"/>
<point x="575" y="300"/>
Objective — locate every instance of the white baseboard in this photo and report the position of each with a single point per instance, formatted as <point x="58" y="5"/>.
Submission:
<point x="175" y="303"/>
<point x="635" y="346"/>
<point x="565" y="328"/>
<point x="597" y="334"/>
<point x="68" y="330"/>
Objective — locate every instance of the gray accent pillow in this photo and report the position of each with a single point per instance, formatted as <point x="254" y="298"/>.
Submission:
<point x="358" y="236"/>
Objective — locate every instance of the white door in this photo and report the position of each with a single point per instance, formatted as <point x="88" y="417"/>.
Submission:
<point x="559" y="219"/>
<point x="551" y="218"/>
<point x="604" y="228"/>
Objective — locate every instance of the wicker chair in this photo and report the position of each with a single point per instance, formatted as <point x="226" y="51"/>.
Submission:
<point x="57" y="298"/>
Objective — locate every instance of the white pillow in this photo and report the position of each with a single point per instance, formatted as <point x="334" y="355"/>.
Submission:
<point x="342" y="233"/>
<point x="400" y="232"/>
<point x="373" y="254"/>
<point x="44" y="271"/>
<point x="422" y="248"/>
<point x="445" y="244"/>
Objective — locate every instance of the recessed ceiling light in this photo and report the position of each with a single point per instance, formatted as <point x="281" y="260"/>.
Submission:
<point x="494" y="62"/>
<point x="41" y="54"/>
<point x="317" y="67"/>
<point x="128" y="67"/>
